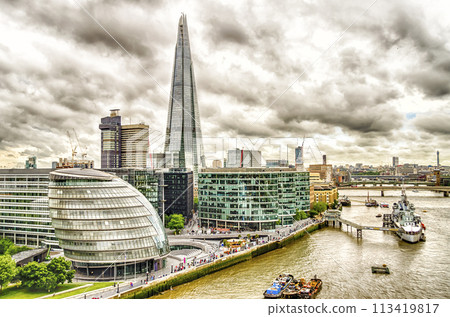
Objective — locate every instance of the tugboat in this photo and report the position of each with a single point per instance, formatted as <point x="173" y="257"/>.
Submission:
<point x="371" y="202"/>
<point x="403" y="217"/>
<point x="278" y="286"/>
<point x="311" y="289"/>
<point x="293" y="289"/>
<point x="344" y="201"/>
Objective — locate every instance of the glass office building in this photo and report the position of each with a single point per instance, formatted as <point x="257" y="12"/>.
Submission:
<point x="183" y="132"/>
<point x="105" y="226"/>
<point x="24" y="217"/>
<point x="251" y="198"/>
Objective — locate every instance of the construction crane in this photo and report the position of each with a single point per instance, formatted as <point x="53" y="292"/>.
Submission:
<point x="84" y="152"/>
<point x="74" y="149"/>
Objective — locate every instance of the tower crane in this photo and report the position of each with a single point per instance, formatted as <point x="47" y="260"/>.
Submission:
<point x="84" y="149"/>
<point x="74" y="149"/>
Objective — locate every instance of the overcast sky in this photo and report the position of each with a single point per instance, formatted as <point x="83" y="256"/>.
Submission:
<point x="366" y="80"/>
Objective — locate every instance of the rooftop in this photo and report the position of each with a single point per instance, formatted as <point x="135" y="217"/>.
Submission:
<point x="85" y="173"/>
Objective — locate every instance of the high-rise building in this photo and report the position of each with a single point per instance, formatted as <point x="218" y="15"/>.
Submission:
<point x="394" y="161"/>
<point x="110" y="140"/>
<point x="106" y="227"/>
<point x="183" y="132"/>
<point x="298" y="156"/>
<point x="24" y="214"/>
<point x="134" y="145"/>
<point x="31" y="162"/>
<point x="123" y="145"/>
<point x="244" y="158"/>
<point x="177" y="192"/>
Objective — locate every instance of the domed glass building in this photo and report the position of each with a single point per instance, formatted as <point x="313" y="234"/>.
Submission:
<point x="106" y="227"/>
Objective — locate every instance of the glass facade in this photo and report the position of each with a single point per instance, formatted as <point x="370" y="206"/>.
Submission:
<point x="255" y="199"/>
<point x="101" y="219"/>
<point x="183" y="133"/>
<point x="24" y="213"/>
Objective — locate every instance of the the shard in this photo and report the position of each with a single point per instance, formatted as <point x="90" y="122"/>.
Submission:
<point x="183" y="133"/>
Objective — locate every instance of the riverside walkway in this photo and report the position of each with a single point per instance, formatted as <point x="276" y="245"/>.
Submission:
<point x="173" y="266"/>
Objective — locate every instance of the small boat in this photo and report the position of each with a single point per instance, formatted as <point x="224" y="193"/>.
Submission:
<point x="311" y="289"/>
<point x="415" y="190"/>
<point x="293" y="289"/>
<point x="371" y="202"/>
<point x="381" y="269"/>
<point x="384" y="205"/>
<point x="424" y="210"/>
<point x="278" y="286"/>
<point x="344" y="201"/>
<point x="379" y="215"/>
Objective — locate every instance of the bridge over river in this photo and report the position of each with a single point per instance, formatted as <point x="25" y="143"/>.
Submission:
<point x="382" y="188"/>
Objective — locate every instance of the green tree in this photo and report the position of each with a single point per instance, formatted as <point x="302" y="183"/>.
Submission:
<point x="7" y="270"/>
<point x="60" y="267"/>
<point x="14" y="249"/>
<point x="176" y="223"/>
<point x="319" y="207"/>
<point x="36" y="275"/>
<point x="196" y="203"/>
<point x="4" y="245"/>
<point x="166" y="220"/>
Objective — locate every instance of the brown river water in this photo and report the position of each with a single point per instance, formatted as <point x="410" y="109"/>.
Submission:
<point x="344" y="263"/>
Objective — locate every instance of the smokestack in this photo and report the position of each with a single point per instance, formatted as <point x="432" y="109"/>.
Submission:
<point x="324" y="159"/>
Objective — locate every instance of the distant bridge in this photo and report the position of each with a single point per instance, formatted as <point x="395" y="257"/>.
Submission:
<point x="382" y="188"/>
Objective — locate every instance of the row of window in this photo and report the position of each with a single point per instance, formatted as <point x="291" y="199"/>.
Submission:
<point x="112" y="256"/>
<point x="125" y="223"/>
<point x="105" y="214"/>
<point x="108" y="245"/>
<point x="137" y="233"/>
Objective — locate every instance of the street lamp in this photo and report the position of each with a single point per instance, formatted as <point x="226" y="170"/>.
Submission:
<point x="147" y="276"/>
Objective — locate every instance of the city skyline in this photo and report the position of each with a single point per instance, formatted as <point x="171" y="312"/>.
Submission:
<point x="369" y="80"/>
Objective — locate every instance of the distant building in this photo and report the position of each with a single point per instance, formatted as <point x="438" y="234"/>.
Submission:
<point x="299" y="157"/>
<point x="24" y="213"/>
<point x="75" y="163"/>
<point x="251" y="198"/>
<point x="31" y="162"/>
<point x="324" y="170"/>
<point x="394" y="161"/>
<point x="243" y="158"/>
<point x="110" y="230"/>
<point x="217" y="164"/>
<point x="277" y="163"/>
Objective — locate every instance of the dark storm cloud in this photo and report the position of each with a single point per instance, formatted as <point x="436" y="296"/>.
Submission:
<point x="434" y="123"/>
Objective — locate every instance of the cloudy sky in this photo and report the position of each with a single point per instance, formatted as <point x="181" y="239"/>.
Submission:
<point x="363" y="80"/>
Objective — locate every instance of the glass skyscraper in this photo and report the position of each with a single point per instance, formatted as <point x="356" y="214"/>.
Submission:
<point x="183" y="132"/>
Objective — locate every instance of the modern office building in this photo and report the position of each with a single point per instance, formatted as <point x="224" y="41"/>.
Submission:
<point x="243" y="158"/>
<point x="251" y="198"/>
<point x="177" y="188"/>
<point x="134" y="145"/>
<point x="24" y="213"/>
<point x="110" y="140"/>
<point x="146" y="181"/>
<point x="183" y="132"/>
<point x="105" y="226"/>
<point x="299" y="157"/>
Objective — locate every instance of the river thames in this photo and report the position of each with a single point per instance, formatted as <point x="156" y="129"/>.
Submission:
<point x="343" y="262"/>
